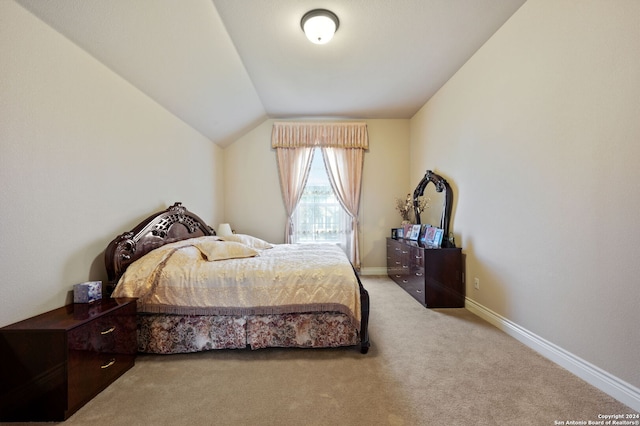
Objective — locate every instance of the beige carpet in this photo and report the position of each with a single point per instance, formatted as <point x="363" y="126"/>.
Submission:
<point x="425" y="367"/>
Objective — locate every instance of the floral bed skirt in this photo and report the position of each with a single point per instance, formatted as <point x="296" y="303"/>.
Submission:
<point x="170" y="334"/>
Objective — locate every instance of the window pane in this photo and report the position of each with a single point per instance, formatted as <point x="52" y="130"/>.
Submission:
<point x="319" y="217"/>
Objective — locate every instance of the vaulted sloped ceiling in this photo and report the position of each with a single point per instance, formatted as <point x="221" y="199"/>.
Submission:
<point x="223" y="66"/>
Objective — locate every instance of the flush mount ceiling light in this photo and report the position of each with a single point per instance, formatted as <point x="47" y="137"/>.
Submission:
<point x="319" y="25"/>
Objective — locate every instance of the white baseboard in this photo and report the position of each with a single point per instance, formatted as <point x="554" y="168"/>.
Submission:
<point x="609" y="384"/>
<point x="374" y="271"/>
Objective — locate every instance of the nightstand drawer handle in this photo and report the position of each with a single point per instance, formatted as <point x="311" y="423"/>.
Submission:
<point x="109" y="364"/>
<point x="111" y="330"/>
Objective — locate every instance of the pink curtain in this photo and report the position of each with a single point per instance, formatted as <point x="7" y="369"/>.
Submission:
<point x="293" y="165"/>
<point x="344" y="167"/>
<point x="343" y="146"/>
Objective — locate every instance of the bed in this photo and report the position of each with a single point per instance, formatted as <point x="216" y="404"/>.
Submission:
<point x="197" y="291"/>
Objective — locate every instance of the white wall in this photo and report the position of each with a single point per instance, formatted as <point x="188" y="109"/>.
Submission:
<point x="253" y="201"/>
<point x="539" y="135"/>
<point x="83" y="157"/>
<point x="385" y="178"/>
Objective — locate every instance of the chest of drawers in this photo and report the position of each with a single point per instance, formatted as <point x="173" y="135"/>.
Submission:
<point x="54" y="363"/>
<point x="432" y="276"/>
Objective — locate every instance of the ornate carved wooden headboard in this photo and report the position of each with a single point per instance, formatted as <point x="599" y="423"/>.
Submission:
<point x="173" y="224"/>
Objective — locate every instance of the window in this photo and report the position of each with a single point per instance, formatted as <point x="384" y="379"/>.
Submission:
<point x="342" y="146"/>
<point x="319" y="217"/>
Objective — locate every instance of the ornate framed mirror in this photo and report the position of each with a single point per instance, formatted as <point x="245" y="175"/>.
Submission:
<point x="440" y="202"/>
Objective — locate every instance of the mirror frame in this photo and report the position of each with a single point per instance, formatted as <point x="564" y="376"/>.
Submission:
<point x="441" y="186"/>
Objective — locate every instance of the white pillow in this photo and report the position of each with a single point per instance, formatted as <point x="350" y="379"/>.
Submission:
<point x="222" y="250"/>
<point x="248" y="240"/>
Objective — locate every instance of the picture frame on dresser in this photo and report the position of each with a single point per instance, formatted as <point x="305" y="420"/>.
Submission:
<point x="428" y="235"/>
<point x="415" y="232"/>
<point x="397" y="233"/>
<point x="432" y="236"/>
<point x="406" y="230"/>
<point x="437" y="237"/>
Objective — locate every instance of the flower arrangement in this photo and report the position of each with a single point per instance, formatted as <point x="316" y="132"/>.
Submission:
<point x="405" y="206"/>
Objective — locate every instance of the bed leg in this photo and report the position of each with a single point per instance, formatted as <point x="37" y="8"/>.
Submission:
<point x="364" y="320"/>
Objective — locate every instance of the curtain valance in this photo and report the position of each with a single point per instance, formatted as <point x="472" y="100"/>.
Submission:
<point x="349" y="134"/>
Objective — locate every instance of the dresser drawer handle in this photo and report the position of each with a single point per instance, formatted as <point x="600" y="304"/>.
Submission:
<point x="418" y="274"/>
<point x="109" y="364"/>
<point x="419" y="291"/>
<point x="405" y="281"/>
<point x="418" y="257"/>
<point x="111" y="330"/>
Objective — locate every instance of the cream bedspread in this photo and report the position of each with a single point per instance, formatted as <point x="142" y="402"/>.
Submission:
<point x="179" y="279"/>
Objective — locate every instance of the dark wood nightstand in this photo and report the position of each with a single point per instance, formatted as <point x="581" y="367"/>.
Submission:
<point x="54" y="363"/>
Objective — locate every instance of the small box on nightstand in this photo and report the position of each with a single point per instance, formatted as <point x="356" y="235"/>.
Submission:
<point x="87" y="292"/>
